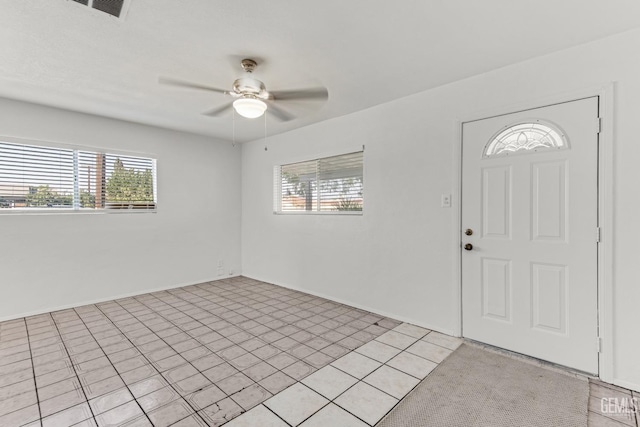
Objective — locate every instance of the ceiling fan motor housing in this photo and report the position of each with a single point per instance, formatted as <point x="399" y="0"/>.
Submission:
<point x="250" y="87"/>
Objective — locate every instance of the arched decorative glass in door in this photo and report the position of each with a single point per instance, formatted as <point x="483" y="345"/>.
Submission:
<point x="526" y="137"/>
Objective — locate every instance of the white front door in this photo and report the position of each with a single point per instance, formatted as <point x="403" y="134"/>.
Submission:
<point x="529" y="201"/>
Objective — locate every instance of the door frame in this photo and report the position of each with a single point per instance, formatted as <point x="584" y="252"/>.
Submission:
<point x="605" y="208"/>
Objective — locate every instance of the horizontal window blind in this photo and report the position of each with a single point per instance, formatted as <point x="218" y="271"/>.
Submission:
<point x="36" y="177"/>
<point x="330" y="184"/>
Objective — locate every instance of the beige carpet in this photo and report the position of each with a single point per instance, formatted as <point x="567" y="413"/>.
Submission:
<point x="476" y="387"/>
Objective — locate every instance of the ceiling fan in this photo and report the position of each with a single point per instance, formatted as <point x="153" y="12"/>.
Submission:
<point x="251" y="96"/>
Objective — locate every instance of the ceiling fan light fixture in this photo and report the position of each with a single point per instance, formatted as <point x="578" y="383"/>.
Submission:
<point x="250" y="108"/>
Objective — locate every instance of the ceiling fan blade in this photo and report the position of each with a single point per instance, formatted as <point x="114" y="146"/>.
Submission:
<point x="320" y="93"/>
<point x="279" y="113"/>
<point x="189" y="85"/>
<point x="217" y="111"/>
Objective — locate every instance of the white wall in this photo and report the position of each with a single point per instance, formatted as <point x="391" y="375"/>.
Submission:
<point x="398" y="258"/>
<point x="59" y="260"/>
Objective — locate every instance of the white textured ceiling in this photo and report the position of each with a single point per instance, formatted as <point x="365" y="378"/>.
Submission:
<point x="366" y="52"/>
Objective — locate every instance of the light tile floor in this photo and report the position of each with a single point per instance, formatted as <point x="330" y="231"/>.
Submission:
<point x="361" y="387"/>
<point x="237" y="352"/>
<point x="193" y="356"/>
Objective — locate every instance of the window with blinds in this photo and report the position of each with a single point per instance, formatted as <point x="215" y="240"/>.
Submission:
<point x="38" y="177"/>
<point x="326" y="185"/>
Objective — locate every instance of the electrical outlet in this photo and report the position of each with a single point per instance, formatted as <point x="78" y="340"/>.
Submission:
<point x="445" y="201"/>
<point x="220" y="271"/>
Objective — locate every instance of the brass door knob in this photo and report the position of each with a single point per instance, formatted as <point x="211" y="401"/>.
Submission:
<point x="468" y="246"/>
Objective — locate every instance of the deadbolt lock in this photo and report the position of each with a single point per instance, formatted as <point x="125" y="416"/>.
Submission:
<point x="468" y="232"/>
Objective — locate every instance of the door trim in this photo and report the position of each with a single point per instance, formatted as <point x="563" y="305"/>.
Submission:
<point x="605" y="96"/>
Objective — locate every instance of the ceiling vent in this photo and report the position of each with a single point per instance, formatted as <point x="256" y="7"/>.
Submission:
<point x="112" y="7"/>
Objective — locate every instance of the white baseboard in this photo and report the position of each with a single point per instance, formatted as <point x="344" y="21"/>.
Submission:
<point x="356" y="305"/>
<point x="627" y="384"/>
<point x="110" y="298"/>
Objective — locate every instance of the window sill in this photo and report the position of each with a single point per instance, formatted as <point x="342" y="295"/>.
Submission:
<point x="62" y="211"/>
<point x="340" y="213"/>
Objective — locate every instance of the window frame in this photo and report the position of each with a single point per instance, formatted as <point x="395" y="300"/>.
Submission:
<point x="277" y="186"/>
<point x="77" y="148"/>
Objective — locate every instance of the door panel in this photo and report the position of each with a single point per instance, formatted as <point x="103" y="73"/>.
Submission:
<point x="496" y="288"/>
<point x="549" y="297"/>
<point x="549" y="201"/>
<point x="496" y="202"/>
<point x="530" y="282"/>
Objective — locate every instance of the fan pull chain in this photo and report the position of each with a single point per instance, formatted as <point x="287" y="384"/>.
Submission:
<point x="233" y="121"/>
<point x="265" y="132"/>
